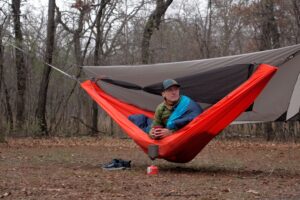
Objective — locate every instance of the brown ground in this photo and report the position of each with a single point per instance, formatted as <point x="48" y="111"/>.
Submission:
<point x="67" y="169"/>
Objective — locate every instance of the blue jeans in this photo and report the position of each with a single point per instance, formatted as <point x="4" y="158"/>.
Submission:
<point x="141" y="121"/>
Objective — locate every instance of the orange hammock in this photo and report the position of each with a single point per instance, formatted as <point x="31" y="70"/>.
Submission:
<point x="183" y="145"/>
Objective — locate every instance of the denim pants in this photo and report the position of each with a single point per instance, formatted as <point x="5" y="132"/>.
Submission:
<point x="141" y="121"/>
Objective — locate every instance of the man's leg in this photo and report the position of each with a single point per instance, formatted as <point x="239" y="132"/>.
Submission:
<point x="141" y="121"/>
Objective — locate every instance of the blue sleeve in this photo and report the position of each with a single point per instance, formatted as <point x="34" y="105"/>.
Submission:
<point x="193" y="110"/>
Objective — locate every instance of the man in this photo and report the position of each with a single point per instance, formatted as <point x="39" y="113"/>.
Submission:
<point x="172" y="114"/>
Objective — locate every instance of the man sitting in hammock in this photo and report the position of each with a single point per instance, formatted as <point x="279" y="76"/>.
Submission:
<point x="172" y="114"/>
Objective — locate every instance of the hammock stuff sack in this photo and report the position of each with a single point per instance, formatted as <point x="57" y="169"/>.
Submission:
<point x="223" y="105"/>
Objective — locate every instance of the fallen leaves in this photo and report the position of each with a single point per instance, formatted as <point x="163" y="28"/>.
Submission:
<point x="68" y="170"/>
<point x="253" y="192"/>
<point x="226" y="190"/>
<point x="26" y="191"/>
<point x="6" y="194"/>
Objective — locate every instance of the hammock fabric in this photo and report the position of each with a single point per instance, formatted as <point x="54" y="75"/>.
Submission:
<point x="183" y="145"/>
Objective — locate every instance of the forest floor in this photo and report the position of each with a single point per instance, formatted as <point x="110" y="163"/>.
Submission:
<point x="59" y="168"/>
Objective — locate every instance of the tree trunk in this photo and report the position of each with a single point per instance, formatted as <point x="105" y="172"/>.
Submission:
<point x="42" y="98"/>
<point x="95" y="118"/>
<point x="269" y="37"/>
<point x="20" y="65"/>
<point x="79" y="62"/>
<point x="153" y="22"/>
<point x="208" y="32"/>
<point x="9" y="115"/>
<point x="296" y="9"/>
<point x="98" y="48"/>
<point x="1" y="60"/>
<point x="2" y="136"/>
<point x="97" y="61"/>
<point x="203" y="32"/>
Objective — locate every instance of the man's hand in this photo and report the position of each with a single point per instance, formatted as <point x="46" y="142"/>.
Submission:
<point x="159" y="133"/>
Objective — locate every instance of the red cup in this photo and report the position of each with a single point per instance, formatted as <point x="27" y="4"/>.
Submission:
<point x="158" y="126"/>
<point x="152" y="170"/>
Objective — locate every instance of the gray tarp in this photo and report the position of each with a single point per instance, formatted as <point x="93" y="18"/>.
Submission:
<point x="208" y="80"/>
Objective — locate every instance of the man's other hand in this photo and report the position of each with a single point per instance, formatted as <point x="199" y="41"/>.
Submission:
<point x="159" y="133"/>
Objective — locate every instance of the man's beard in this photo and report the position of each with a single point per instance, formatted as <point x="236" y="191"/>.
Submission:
<point x="171" y="103"/>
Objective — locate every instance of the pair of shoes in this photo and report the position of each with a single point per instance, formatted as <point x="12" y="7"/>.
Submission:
<point x="117" y="164"/>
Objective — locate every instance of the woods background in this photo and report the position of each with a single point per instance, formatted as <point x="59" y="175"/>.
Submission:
<point x="37" y="101"/>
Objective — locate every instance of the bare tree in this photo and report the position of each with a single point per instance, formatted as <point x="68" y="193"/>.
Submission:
<point x="4" y="17"/>
<point x="229" y="23"/>
<point x="20" y="65"/>
<point x="153" y="23"/>
<point x="9" y="114"/>
<point x="106" y="40"/>
<point x="42" y="97"/>
<point x="97" y="61"/>
<point x="296" y="9"/>
<point x="1" y="57"/>
<point x="203" y="30"/>
<point x="77" y="33"/>
<point x="269" y="33"/>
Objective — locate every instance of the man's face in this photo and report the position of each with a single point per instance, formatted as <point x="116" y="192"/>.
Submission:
<point x="171" y="94"/>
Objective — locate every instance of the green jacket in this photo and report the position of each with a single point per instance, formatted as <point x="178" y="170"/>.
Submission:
<point x="162" y="114"/>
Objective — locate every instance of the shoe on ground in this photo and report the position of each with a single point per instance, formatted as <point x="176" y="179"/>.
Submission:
<point x="117" y="164"/>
